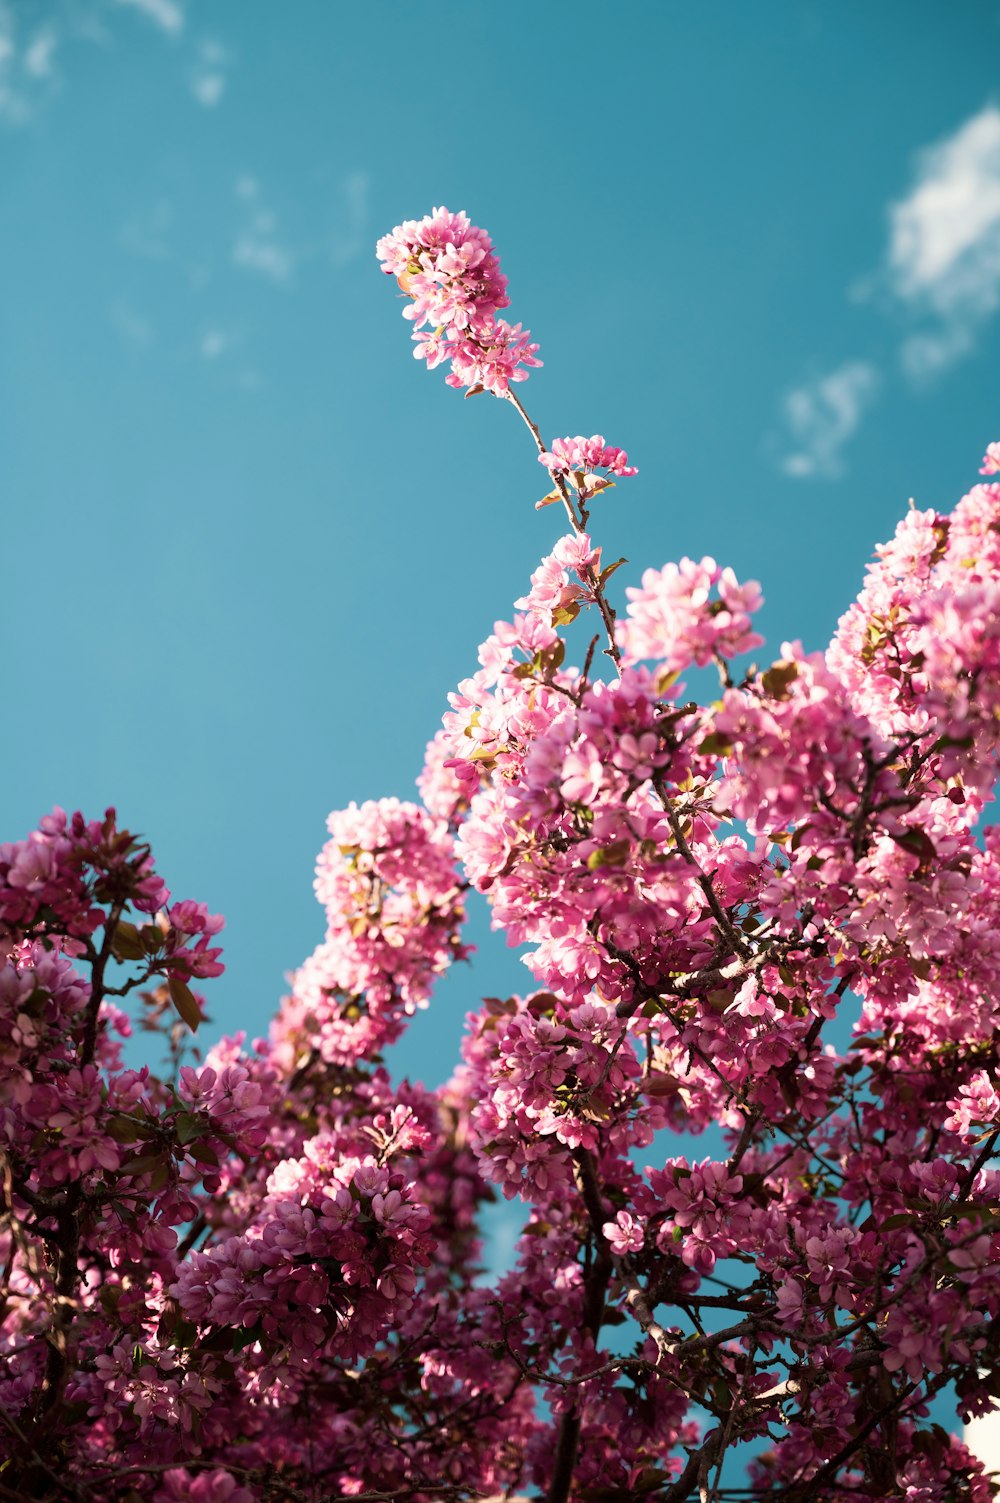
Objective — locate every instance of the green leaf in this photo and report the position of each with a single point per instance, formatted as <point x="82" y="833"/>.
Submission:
<point x="158" y="1178"/>
<point x="945" y="741"/>
<point x="184" y="1000"/>
<point x="144" y="1164"/>
<point x="500" y="1007"/>
<point x="563" y="615"/>
<point x="722" y="1395"/>
<point x="188" y="1128"/>
<point x="549" y="499"/>
<point x="660" y="1085"/>
<point x="917" y="843"/>
<point x="716" y="744"/>
<point x="592" y="485"/>
<point x="550" y="658"/>
<point x="666" y="679"/>
<point x="151" y="937"/>
<point x="974" y="1209"/>
<point x="615" y="854"/>
<point x="777" y="680"/>
<point x="125" y="942"/>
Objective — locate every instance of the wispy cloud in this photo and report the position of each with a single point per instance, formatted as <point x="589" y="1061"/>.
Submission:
<point x="27" y="67"/>
<point x="210" y="74"/>
<point x="166" y="14"/>
<point x="259" y="247"/>
<point x="822" y="415"/>
<point x="940" y="277"/>
<point x="39" y="53"/>
<point x="28" y="73"/>
<point x="214" y="343"/>
<point x="943" y="261"/>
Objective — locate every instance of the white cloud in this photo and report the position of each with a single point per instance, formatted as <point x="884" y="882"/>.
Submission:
<point x="217" y="341"/>
<point x="940" y="276"/>
<point x="924" y="356"/>
<point x="214" y="342"/>
<point x="210" y="74"/>
<point x="822" y="415"/>
<point x="943" y="262"/>
<point x="38" y="54"/>
<point x="259" y="247"/>
<point x="255" y="251"/>
<point x="208" y="88"/>
<point x="27" y="71"/>
<point x="28" y="74"/>
<point x="166" y="14"/>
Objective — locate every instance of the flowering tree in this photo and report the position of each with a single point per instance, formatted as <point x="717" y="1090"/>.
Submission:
<point x="259" y="1277"/>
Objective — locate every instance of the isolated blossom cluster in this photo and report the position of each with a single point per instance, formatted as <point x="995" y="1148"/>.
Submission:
<point x="580" y="453"/>
<point x="448" y="267"/>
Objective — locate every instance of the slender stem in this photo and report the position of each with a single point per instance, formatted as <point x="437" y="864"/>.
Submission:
<point x="561" y="485"/>
<point x="97" y="986"/>
<point x="578" y="525"/>
<point x="737" y="942"/>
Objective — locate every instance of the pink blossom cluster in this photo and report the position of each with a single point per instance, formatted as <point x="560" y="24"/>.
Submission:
<point x="448" y="267"/>
<point x="231" y="1101"/>
<point x="977" y="1106"/>
<point x="564" y="580"/>
<point x="55" y="881"/>
<point x="544" y="1080"/>
<point x="191" y="921"/>
<point x="918" y="650"/>
<point x="587" y="454"/>
<point x="393" y="902"/>
<point x="330" y="1260"/>
<point x="675" y="618"/>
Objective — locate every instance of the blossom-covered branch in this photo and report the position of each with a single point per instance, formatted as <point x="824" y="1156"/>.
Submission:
<point x="257" y="1277"/>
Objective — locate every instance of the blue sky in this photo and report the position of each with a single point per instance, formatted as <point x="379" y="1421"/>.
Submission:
<point x="249" y="545"/>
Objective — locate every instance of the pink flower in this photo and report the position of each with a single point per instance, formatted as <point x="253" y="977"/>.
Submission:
<point x="587" y="454"/>
<point x="624" y="1234"/>
<point x="991" y="460"/>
